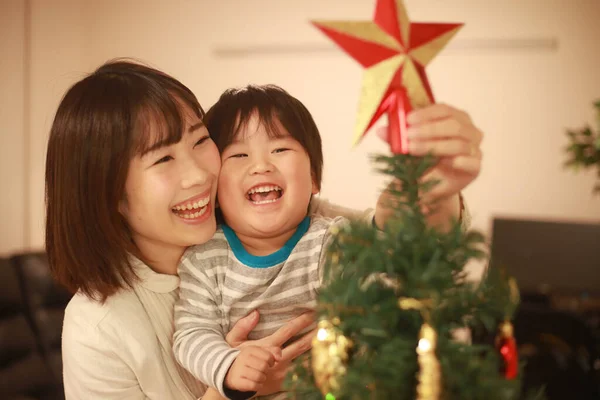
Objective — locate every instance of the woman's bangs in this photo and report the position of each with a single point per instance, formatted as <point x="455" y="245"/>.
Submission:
<point x="161" y="121"/>
<point x="156" y="128"/>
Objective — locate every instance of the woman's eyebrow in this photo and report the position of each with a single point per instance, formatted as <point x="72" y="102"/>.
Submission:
<point x="195" y="127"/>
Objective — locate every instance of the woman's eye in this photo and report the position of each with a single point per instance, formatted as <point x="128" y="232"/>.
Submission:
<point x="163" y="160"/>
<point x="238" y="155"/>
<point x="201" y="140"/>
<point x="280" y="150"/>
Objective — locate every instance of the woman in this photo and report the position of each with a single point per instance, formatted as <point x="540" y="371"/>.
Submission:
<point x="127" y="148"/>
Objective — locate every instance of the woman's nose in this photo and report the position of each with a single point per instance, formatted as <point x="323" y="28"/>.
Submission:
<point x="193" y="174"/>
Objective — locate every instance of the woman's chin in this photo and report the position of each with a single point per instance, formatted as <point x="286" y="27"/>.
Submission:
<point x="199" y="234"/>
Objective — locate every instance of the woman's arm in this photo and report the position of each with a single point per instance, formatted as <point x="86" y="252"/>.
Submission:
<point x="92" y="369"/>
<point x="325" y="208"/>
<point x="455" y="207"/>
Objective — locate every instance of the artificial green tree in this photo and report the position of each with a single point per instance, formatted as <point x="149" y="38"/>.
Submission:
<point x="384" y="287"/>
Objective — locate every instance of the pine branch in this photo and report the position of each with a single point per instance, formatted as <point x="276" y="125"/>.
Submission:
<point x="584" y="149"/>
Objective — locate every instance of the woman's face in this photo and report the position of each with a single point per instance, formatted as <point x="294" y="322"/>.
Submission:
<point x="170" y="193"/>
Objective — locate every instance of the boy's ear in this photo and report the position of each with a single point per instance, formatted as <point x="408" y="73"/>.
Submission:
<point x="315" y="186"/>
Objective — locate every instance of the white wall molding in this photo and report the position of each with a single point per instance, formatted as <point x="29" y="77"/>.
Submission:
<point x="529" y="44"/>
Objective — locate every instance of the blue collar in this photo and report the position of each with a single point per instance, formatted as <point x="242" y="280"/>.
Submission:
<point x="269" y="260"/>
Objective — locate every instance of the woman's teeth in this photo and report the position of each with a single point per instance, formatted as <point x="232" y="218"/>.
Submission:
<point x="192" y="206"/>
<point x="197" y="209"/>
<point x="194" y="215"/>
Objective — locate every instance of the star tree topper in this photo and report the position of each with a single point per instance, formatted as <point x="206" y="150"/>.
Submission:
<point x="394" y="52"/>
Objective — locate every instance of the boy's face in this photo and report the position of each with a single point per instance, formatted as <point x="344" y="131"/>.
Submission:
<point x="265" y="183"/>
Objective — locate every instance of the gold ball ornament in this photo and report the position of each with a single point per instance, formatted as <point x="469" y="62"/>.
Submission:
<point x="429" y="377"/>
<point x="330" y="354"/>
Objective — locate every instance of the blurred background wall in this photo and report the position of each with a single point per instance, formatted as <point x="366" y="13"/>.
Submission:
<point x="526" y="70"/>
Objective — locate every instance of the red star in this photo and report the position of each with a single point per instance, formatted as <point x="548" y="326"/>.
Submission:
<point x="394" y="52"/>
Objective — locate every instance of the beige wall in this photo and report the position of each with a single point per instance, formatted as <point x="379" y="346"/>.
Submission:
<point x="59" y="57"/>
<point x="13" y="127"/>
<point x="523" y="98"/>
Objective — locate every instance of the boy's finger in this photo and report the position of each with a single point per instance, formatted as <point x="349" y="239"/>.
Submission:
<point x="242" y="329"/>
<point x="247" y="385"/>
<point x="276" y="352"/>
<point x="254" y="375"/>
<point x="290" y="329"/>
<point x="299" y="347"/>
<point x="261" y="359"/>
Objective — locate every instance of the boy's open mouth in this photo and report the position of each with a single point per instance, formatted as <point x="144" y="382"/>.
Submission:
<point x="264" y="194"/>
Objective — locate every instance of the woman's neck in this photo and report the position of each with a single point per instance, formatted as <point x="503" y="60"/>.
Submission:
<point x="161" y="259"/>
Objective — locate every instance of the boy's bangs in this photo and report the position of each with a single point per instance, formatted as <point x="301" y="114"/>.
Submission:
<point x="267" y="117"/>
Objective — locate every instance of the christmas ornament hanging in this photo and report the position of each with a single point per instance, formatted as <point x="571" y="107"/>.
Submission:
<point x="330" y="355"/>
<point x="507" y="346"/>
<point x="429" y="375"/>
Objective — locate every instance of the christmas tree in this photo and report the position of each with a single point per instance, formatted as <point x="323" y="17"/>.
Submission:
<point x="584" y="148"/>
<point x="395" y="299"/>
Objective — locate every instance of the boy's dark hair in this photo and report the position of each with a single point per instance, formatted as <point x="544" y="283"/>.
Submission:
<point x="120" y="110"/>
<point x="235" y="108"/>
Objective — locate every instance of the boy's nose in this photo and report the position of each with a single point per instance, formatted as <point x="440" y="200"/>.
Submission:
<point x="261" y="166"/>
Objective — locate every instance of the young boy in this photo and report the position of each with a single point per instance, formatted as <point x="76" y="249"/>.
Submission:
<point x="268" y="254"/>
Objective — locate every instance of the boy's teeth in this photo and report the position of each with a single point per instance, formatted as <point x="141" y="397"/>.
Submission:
<point x="265" y="201"/>
<point x="262" y="189"/>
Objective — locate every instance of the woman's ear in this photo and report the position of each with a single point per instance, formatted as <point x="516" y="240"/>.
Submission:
<point x="122" y="208"/>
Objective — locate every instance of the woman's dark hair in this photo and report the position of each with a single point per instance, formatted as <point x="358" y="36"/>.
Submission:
<point x="121" y="110"/>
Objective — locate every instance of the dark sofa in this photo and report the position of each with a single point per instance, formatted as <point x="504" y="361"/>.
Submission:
<point x="31" y="313"/>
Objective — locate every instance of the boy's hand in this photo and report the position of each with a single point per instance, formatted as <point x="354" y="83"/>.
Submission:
<point x="249" y="370"/>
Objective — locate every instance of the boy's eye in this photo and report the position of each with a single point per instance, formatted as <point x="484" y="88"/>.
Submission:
<point x="238" y="155"/>
<point x="163" y="160"/>
<point x="203" y="139"/>
<point x="280" y="150"/>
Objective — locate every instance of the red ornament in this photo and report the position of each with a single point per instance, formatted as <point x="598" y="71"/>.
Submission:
<point x="507" y="346"/>
<point x="394" y="52"/>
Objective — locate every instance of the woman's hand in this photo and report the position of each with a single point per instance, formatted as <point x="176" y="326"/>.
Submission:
<point x="239" y="333"/>
<point x="450" y="135"/>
